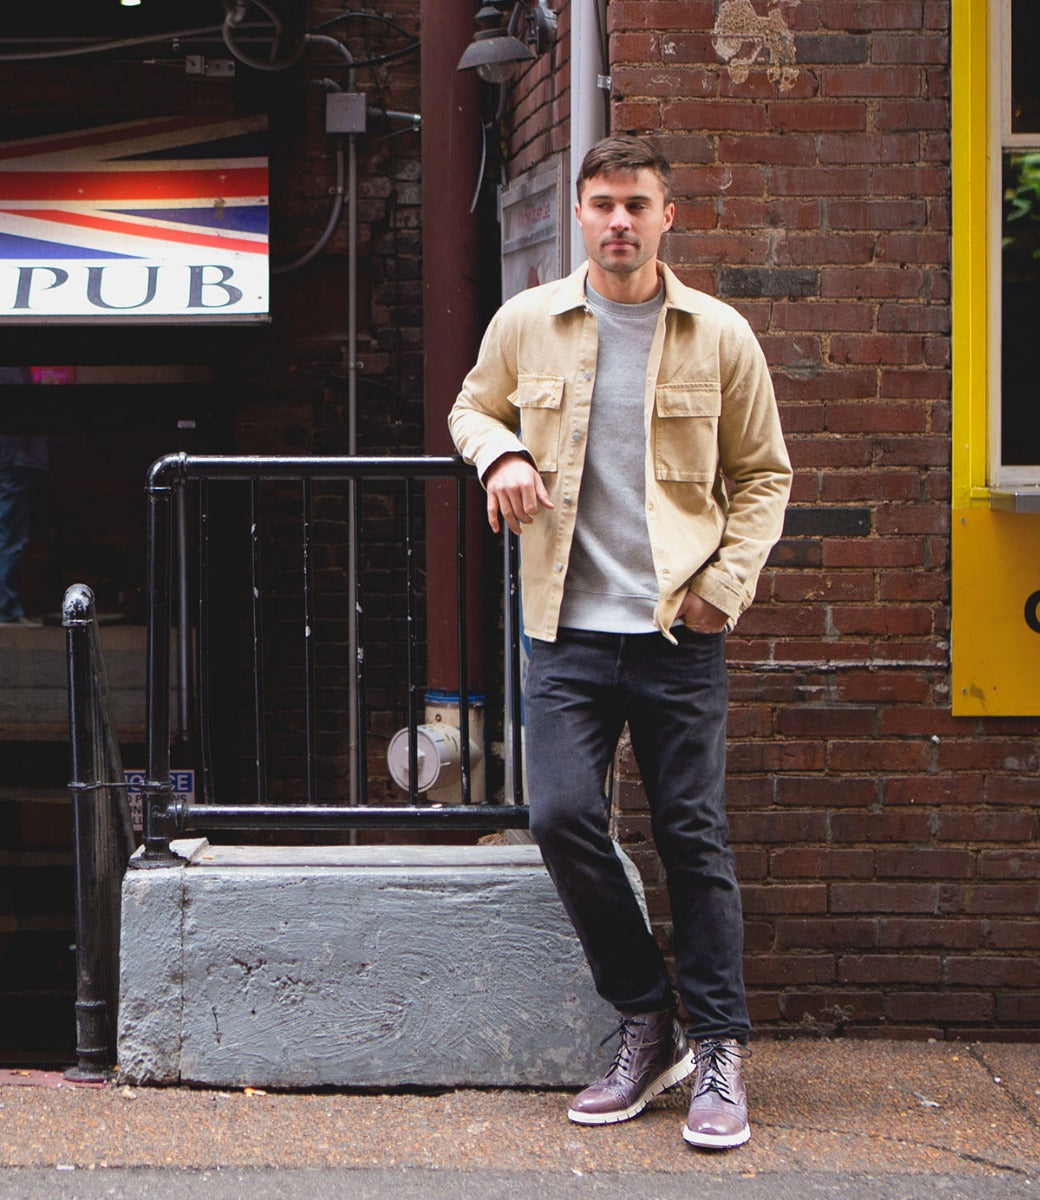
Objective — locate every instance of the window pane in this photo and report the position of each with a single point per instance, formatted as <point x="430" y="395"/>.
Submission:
<point x="1020" y="312"/>
<point x="1025" y="75"/>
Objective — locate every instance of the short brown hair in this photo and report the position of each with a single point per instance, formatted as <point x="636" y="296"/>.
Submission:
<point x="621" y="153"/>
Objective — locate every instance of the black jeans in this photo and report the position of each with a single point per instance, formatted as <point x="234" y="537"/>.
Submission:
<point x="580" y="691"/>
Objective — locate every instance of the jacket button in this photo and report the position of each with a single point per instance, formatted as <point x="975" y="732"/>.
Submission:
<point x="559" y="567"/>
<point x="575" y="437"/>
<point x="587" y="374"/>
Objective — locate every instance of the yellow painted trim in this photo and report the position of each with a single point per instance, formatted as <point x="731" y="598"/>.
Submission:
<point x="970" y="250"/>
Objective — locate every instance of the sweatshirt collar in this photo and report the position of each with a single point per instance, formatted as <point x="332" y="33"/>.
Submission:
<point x="571" y="292"/>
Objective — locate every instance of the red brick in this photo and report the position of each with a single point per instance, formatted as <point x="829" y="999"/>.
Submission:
<point x="820" y="863"/>
<point x="903" y="246"/>
<point x="889" y="968"/>
<point x="1013" y="935"/>
<point x="815" y="315"/>
<point x="831" y="1011"/>
<point x="909" y="48"/>
<point x="1010" y="789"/>
<point x="775" y="756"/>
<point x="889" y="349"/>
<point x="874" y="552"/>
<point x="850" y="80"/>
<point x="1003" y="899"/>
<point x="872" y="415"/>
<point x="849" y="585"/>
<point x="827" y="722"/>
<point x="884" y="283"/>
<point x="791" y="969"/>
<point x="884" y="897"/>
<point x="631" y="47"/>
<point x="817" y="115"/>
<point x="706" y="115"/>
<point x="751" y="864"/>
<point x="660" y="14"/>
<point x="865" y="16"/>
<point x="1025" y="1009"/>
<point x="819" y="181"/>
<point x="1009" y="864"/>
<point x="770" y="213"/>
<point x="883" y="687"/>
<point x="998" y="754"/>
<point x="784" y="898"/>
<point x="838" y="249"/>
<point x="719" y="247"/>
<point x="939" y="1006"/>
<point x="862" y="755"/>
<point x="795" y="148"/>
<point x="925" y="863"/>
<point x="655" y="80"/>
<point x="976" y="827"/>
<point x="913" y="318"/>
<point x="825" y="933"/>
<point x="869" y="148"/>
<point x="827" y="792"/>
<point x="909" y="181"/>
<point x="907" y="518"/>
<point x="748" y="791"/>
<point x="884" y="621"/>
<point x="915" y="385"/>
<point x="989" y="971"/>
<point x="912" y="451"/>
<point x="913" y="933"/>
<point x="913" y="115"/>
<point x="769" y="827"/>
<point x="635" y="114"/>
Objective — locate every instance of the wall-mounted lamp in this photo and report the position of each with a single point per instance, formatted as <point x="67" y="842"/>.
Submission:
<point x="130" y="3"/>
<point x="496" y="51"/>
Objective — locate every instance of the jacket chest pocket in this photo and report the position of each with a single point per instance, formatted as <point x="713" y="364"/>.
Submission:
<point x="538" y="397"/>
<point x="686" y="431"/>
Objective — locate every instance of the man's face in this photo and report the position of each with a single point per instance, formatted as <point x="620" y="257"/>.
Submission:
<point x="623" y="217"/>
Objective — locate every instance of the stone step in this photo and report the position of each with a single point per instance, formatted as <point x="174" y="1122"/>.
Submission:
<point x="374" y="966"/>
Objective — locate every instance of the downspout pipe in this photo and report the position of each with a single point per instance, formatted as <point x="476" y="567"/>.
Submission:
<point x="451" y="128"/>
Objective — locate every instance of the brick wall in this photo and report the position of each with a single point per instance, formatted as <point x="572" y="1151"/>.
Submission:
<point x="884" y="846"/>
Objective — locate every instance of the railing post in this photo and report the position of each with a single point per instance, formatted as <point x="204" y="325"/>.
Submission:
<point x="100" y="839"/>
<point x="157" y="793"/>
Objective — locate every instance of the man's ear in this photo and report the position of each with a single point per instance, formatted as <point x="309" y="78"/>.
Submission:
<point x="669" y="215"/>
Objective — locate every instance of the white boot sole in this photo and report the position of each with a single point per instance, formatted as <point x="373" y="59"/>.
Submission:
<point x="682" y="1069"/>
<point x="716" y="1141"/>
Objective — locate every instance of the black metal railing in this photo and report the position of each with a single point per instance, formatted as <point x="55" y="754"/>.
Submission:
<point x="296" y="595"/>
<point x="103" y="838"/>
<point x="234" y="560"/>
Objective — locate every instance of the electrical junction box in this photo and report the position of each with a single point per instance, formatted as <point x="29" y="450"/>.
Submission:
<point x="345" y="112"/>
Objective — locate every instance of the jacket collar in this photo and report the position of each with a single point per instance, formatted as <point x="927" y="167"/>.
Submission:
<point x="570" y="293"/>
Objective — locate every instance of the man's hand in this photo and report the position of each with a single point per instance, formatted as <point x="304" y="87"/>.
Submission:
<point x="514" y="489"/>
<point x="696" y="613"/>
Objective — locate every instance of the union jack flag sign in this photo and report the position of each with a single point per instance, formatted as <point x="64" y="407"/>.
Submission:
<point x="164" y="219"/>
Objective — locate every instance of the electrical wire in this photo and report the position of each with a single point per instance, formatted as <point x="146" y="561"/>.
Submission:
<point x="105" y="47"/>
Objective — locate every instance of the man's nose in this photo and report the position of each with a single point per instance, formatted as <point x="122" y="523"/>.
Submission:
<point x="619" y="218"/>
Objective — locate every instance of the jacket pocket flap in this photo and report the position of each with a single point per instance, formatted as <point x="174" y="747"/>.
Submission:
<point x="697" y="398"/>
<point x="539" y="391"/>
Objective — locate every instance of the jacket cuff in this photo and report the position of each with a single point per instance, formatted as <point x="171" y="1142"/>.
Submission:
<point x="505" y="443"/>
<point x="719" y="589"/>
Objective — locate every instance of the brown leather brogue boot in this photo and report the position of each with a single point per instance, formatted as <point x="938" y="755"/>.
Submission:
<point x="653" y="1055"/>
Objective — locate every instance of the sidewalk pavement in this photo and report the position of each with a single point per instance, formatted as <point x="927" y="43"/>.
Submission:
<point x="829" y="1118"/>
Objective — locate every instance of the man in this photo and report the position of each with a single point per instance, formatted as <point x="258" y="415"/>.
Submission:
<point x="22" y="456"/>
<point x="602" y="415"/>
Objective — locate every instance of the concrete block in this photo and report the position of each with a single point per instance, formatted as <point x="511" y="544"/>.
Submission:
<point x="356" y="967"/>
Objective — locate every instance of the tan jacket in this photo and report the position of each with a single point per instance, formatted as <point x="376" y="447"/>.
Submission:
<point x="709" y="412"/>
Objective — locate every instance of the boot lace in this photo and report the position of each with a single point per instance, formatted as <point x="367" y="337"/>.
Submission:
<point x="712" y="1060"/>
<point x="623" y="1054"/>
